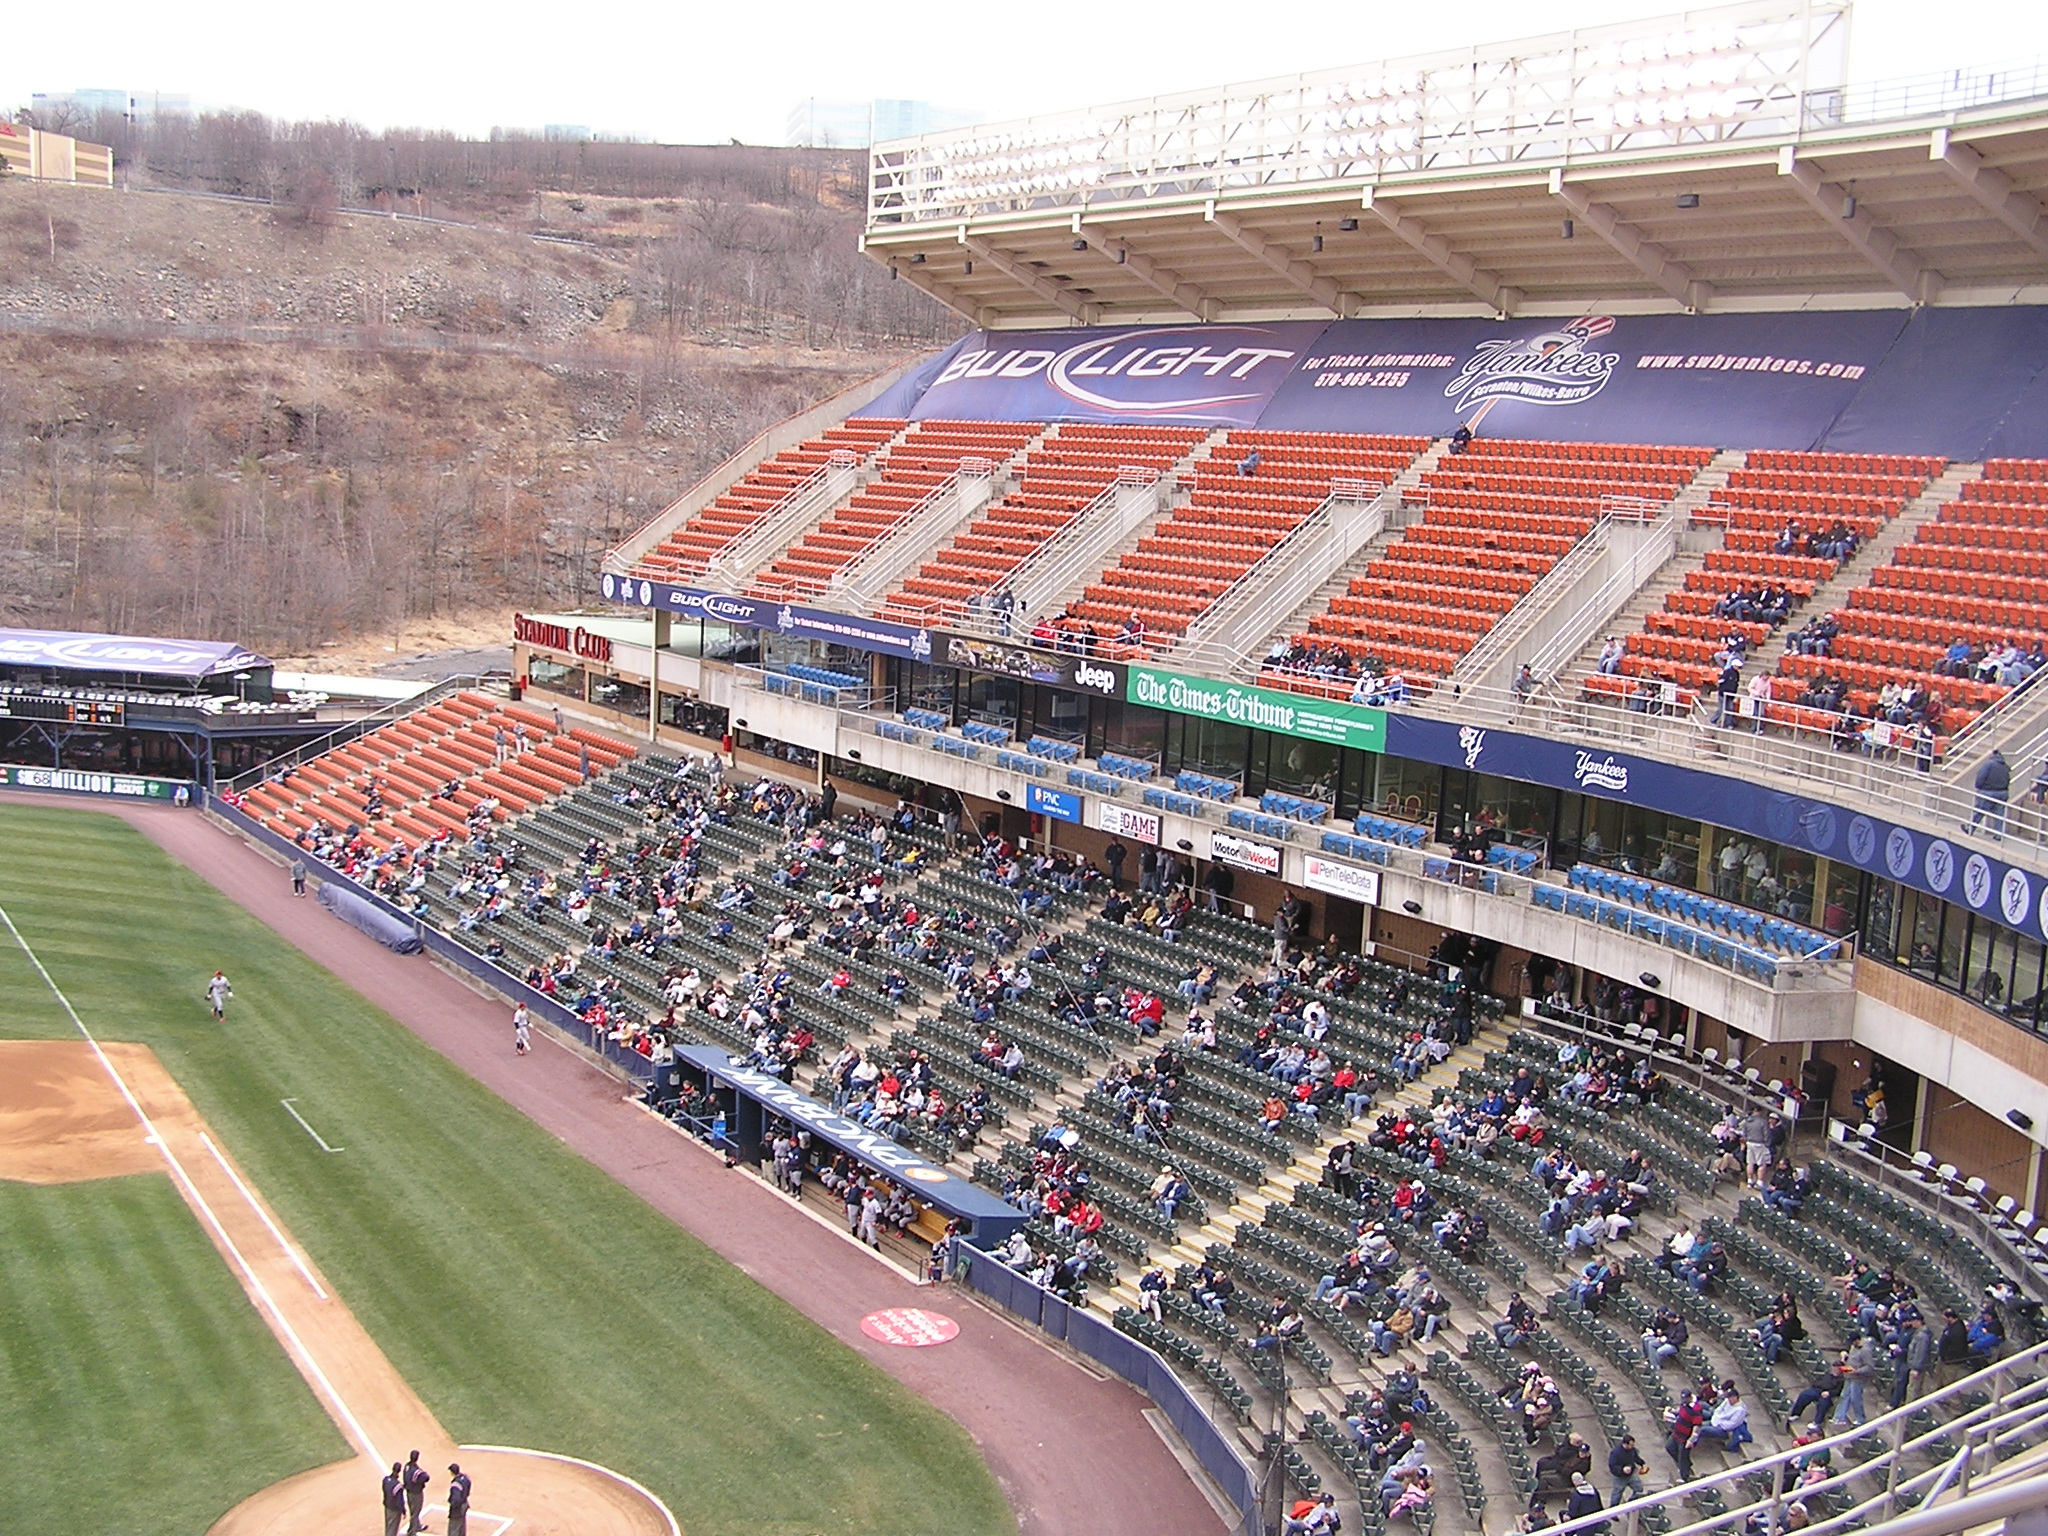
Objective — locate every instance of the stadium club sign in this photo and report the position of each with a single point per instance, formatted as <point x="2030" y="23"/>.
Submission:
<point x="1262" y="709"/>
<point x="1925" y="861"/>
<point x="1213" y="375"/>
<point x="861" y="634"/>
<point x="578" y="641"/>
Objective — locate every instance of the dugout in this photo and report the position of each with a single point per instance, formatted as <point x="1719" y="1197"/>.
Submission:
<point x="752" y="1100"/>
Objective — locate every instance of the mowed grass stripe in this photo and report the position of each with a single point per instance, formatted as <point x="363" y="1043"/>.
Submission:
<point x="527" y="1297"/>
<point x="144" y="1394"/>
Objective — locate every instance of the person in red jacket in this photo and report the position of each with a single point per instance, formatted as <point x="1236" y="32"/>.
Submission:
<point x="1686" y="1420"/>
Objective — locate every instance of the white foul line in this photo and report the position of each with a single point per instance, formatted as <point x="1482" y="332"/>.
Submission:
<point x="249" y="1275"/>
<point x="263" y="1215"/>
<point x="287" y="1103"/>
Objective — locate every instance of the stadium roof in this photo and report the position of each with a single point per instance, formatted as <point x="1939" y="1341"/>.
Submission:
<point x="1714" y="160"/>
<point x="69" y="651"/>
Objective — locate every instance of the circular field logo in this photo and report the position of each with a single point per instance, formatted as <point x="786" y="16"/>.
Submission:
<point x="911" y="1327"/>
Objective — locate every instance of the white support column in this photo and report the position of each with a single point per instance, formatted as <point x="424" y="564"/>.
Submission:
<point x="1645" y="255"/>
<point x="1323" y="290"/>
<point x="1027" y="279"/>
<point x="1436" y="250"/>
<point x="1874" y="243"/>
<point x="2016" y="210"/>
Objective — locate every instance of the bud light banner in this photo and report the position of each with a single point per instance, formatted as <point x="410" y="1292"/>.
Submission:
<point x="1764" y="381"/>
<point x="1203" y="375"/>
<point x="862" y="634"/>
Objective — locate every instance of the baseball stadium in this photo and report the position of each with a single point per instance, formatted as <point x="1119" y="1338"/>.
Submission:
<point x="1378" y="858"/>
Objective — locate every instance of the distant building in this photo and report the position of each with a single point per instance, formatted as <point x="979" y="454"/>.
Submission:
<point x="136" y="106"/>
<point x="817" y="122"/>
<point x="567" y="133"/>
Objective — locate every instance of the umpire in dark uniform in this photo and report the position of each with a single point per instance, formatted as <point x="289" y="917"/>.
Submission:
<point x="416" y="1480"/>
<point x="394" y="1499"/>
<point x="458" y="1501"/>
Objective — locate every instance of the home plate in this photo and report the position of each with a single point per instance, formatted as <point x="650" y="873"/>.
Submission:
<point x="912" y="1327"/>
<point x="487" y="1525"/>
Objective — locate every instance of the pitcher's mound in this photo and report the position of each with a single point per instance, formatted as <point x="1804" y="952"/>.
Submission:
<point x="519" y="1493"/>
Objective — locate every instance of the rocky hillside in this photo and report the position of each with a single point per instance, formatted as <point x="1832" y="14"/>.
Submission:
<point x="286" y="422"/>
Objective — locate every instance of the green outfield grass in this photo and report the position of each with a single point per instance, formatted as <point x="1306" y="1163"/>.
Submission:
<point x="529" y="1299"/>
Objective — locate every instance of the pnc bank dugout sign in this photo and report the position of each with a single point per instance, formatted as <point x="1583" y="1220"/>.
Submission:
<point x="572" y="640"/>
<point x="1262" y="709"/>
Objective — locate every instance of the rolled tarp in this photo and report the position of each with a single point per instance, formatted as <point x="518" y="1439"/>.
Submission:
<point x="360" y="912"/>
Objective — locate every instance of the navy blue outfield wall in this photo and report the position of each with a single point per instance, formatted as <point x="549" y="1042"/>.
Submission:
<point x="1966" y="383"/>
<point x="438" y="943"/>
<point x="1091" y="1334"/>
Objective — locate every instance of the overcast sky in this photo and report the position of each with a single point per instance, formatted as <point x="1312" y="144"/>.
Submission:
<point x="697" y="73"/>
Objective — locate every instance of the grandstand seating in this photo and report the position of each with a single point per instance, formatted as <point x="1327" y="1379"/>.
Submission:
<point x="693" y="546"/>
<point x="1975" y="574"/>
<point x="1772" y="494"/>
<point x="1058" y="479"/>
<point x="1239" y="510"/>
<point x="929" y="455"/>
<point x="1499" y="516"/>
<point x="415" y="758"/>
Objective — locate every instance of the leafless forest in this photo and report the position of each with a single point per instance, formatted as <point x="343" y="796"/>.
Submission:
<point x="232" y="406"/>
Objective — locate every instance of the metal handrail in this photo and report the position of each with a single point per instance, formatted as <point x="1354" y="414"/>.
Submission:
<point x="2015" y="1415"/>
<point x="770" y="533"/>
<point x="1311" y="551"/>
<point x="1082" y="546"/>
<point x="1494" y="647"/>
<point x="863" y="579"/>
<point x="355" y="730"/>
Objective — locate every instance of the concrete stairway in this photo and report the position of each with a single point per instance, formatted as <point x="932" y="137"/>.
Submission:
<point x="1340" y="579"/>
<point x="1175" y="495"/>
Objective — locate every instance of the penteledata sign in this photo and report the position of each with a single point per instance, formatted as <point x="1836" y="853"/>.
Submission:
<point x="1350" y="881"/>
<point x="1261" y="709"/>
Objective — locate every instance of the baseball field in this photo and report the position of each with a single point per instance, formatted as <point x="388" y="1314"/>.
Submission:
<point x="526" y="1298"/>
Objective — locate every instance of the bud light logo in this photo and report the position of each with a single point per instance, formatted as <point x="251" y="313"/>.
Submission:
<point x="1561" y="367"/>
<point x="1169" y="371"/>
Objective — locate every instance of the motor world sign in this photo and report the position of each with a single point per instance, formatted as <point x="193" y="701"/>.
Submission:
<point x="1261" y="858"/>
<point x="571" y="640"/>
<point x="1262" y="709"/>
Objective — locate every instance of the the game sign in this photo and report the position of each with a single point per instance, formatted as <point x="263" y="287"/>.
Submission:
<point x="1122" y="821"/>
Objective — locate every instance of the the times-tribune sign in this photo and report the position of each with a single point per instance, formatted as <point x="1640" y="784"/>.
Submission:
<point x="1260" y="858"/>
